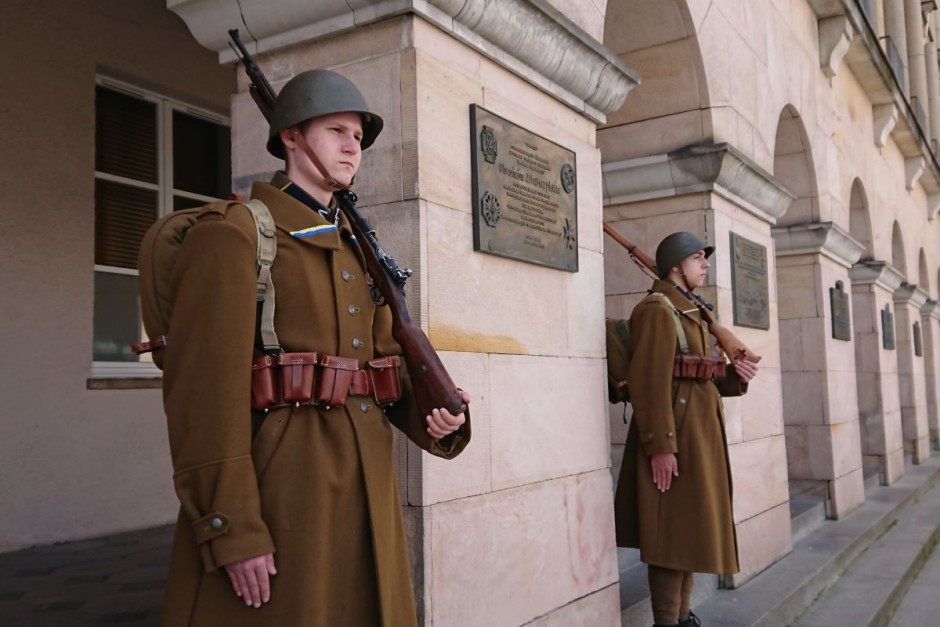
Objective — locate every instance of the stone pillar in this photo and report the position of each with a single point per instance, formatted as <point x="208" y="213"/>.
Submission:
<point x="908" y="300"/>
<point x="879" y="405"/>
<point x="933" y="78"/>
<point x="896" y="29"/>
<point x="930" y="324"/>
<point x="916" y="68"/>
<point x="714" y="191"/>
<point x="820" y="410"/>
<point x="520" y="526"/>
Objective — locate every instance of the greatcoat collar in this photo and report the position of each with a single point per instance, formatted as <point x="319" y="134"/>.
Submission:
<point x="297" y="220"/>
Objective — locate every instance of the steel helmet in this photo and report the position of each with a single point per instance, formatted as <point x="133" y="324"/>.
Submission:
<point x="316" y="93"/>
<point x="676" y="247"/>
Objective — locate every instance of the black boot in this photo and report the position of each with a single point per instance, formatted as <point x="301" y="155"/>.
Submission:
<point x="691" y="621"/>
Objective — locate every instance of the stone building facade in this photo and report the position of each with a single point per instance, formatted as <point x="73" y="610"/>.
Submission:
<point x="801" y="131"/>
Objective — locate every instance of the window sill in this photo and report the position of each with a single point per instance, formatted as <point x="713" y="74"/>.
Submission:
<point x="126" y="383"/>
<point x="115" y="375"/>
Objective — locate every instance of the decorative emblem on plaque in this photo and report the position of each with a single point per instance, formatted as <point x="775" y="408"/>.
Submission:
<point x="489" y="209"/>
<point x="570" y="238"/>
<point x="488" y="146"/>
<point x="887" y="328"/>
<point x="567" y="177"/>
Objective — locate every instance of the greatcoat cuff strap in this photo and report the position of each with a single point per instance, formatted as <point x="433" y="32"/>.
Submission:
<point x="211" y="526"/>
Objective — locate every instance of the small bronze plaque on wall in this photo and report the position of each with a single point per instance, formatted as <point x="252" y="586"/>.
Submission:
<point x="749" y="283"/>
<point x="887" y="328"/>
<point x="918" y="341"/>
<point x="525" y="194"/>
<point x="841" y="319"/>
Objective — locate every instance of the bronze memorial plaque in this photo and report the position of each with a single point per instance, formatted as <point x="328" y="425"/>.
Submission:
<point x="887" y="328"/>
<point x="525" y="198"/>
<point x="841" y="320"/>
<point x="749" y="283"/>
<point x="918" y="341"/>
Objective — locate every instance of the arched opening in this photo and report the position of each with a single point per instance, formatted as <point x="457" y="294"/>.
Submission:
<point x="802" y="363"/>
<point x="793" y="166"/>
<point x="667" y="110"/>
<point x="923" y="276"/>
<point x="860" y="220"/>
<point x="898" y="258"/>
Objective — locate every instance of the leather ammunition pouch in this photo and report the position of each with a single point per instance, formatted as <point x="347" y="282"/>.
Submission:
<point x="299" y="379"/>
<point x="688" y="366"/>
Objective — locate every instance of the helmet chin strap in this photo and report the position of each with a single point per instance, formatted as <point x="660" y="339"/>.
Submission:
<point x="330" y="180"/>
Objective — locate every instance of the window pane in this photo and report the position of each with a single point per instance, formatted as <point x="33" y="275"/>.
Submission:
<point x="122" y="216"/>
<point x="181" y="202"/>
<point x="117" y="317"/>
<point x="201" y="156"/>
<point x="125" y="135"/>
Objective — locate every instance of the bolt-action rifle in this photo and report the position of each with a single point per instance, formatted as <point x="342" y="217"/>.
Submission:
<point x="431" y="385"/>
<point x="730" y="344"/>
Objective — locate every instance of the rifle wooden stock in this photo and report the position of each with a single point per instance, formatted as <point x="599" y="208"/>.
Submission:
<point x="431" y="384"/>
<point x="728" y="341"/>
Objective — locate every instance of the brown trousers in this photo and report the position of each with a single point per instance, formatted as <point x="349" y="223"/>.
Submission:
<point x="670" y="593"/>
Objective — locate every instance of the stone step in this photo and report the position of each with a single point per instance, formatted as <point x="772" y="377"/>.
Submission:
<point x="806" y="514"/>
<point x="870" y="590"/>
<point x="784" y="591"/>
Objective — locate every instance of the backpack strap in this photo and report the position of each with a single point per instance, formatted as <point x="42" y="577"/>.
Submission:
<point x="680" y="332"/>
<point x="267" y="249"/>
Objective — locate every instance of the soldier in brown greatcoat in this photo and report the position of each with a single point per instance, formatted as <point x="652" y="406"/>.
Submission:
<point x="673" y="498"/>
<point x="300" y="523"/>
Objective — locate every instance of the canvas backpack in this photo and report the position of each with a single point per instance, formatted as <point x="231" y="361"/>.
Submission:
<point x="620" y="351"/>
<point x="159" y="252"/>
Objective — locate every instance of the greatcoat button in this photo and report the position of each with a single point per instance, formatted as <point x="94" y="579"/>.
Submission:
<point x="347" y="276"/>
<point x="216" y="523"/>
<point x="682" y="400"/>
<point x="353" y="310"/>
<point x="364" y="406"/>
<point x="669" y="435"/>
<point x="356" y="343"/>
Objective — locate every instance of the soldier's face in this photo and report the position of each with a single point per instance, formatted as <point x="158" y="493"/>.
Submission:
<point x="335" y="140"/>
<point x="694" y="269"/>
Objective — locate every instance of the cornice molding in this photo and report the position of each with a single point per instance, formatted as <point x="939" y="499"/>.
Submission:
<point x="719" y="168"/>
<point x="823" y="238"/>
<point x="910" y="294"/>
<point x="528" y="37"/>
<point x="931" y="309"/>
<point x="880" y="273"/>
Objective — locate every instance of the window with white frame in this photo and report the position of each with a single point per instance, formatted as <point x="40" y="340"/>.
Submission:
<point x="153" y="155"/>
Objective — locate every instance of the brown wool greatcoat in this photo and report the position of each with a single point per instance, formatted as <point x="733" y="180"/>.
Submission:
<point x="318" y="486"/>
<point x="689" y="527"/>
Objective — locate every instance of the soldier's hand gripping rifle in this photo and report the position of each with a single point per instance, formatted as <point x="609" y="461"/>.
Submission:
<point x="431" y="385"/>
<point x="730" y="344"/>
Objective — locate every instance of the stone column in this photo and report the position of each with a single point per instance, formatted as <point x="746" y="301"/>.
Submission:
<point x="520" y="526"/>
<point x="933" y="78"/>
<point x="896" y="29"/>
<point x="820" y="411"/>
<point x="930" y="323"/>
<point x="714" y="191"/>
<point x="908" y="299"/>
<point x="917" y="69"/>
<point x="879" y="405"/>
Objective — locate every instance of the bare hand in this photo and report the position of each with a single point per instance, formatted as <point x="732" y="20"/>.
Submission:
<point x="746" y="370"/>
<point x="442" y="423"/>
<point x="664" y="467"/>
<point x="251" y="579"/>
